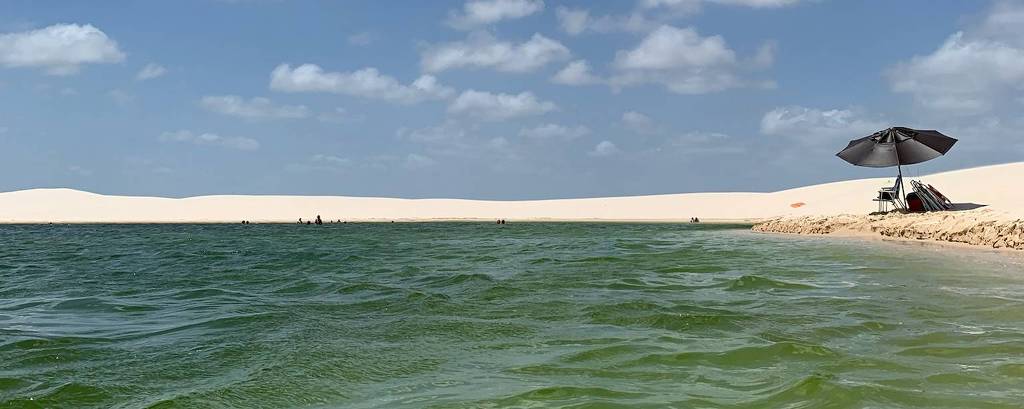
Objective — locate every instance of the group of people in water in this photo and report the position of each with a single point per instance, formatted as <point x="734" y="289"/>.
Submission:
<point x="321" y="221"/>
<point x="318" y="221"/>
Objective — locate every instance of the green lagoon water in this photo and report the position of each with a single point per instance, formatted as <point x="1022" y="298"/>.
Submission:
<point x="467" y="315"/>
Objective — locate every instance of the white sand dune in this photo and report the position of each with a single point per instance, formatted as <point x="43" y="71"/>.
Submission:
<point x="997" y="187"/>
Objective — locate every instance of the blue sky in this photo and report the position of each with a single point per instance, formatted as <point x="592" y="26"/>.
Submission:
<point x="493" y="99"/>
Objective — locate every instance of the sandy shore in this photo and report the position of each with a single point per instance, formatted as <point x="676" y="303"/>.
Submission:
<point x="976" y="227"/>
<point x="989" y="186"/>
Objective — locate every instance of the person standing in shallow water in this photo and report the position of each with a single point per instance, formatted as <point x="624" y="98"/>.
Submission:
<point x="318" y="221"/>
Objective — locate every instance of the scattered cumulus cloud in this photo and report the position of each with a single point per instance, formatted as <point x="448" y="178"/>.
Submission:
<point x="818" y="127"/>
<point x="253" y="108"/>
<point x="688" y="7"/>
<point x="572" y="21"/>
<point x="758" y="3"/>
<point x="647" y="15"/>
<point x="151" y="71"/>
<point x="455" y="139"/>
<point x="498" y="107"/>
<point x="576" y="73"/>
<point x="476" y="13"/>
<point x="576" y="21"/>
<point x="681" y="60"/>
<point x="637" y="122"/>
<point x="679" y="7"/>
<point x="604" y="149"/>
<point x="366" y="83"/>
<point x="484" y="51"/>
<point x="974" y="71"/>
<point x="555" y="131"/>
<point x="60" y="49"/>
<point x="211" y="139"/>
<point x="972" y="85"/>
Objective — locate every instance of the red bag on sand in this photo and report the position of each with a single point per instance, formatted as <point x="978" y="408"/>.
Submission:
<point x="914" y="203"/>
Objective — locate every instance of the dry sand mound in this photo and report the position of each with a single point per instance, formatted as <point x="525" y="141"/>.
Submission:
<point x="976" y="227"/>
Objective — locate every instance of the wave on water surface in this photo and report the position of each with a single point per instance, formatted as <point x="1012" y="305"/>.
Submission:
<point x="520" y="315"/>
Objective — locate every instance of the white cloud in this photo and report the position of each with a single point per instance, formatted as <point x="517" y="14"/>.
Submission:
<point x="818" y="127"/>
<point x="575" y="21"/>
<point x="554" y="131"/>
<point x="975" y="71"/>
<point x="687" y="7"/>
<point x="476" y="13"/>
<point x="648" y="15"/>
<point x="638" y="122"/>
<point x="367" y="83"/>
<point x="211" y="139"/>
<point x="757" y="3"/>
<point x="1004" y="21"/>
<point x="361" y="39"/>
<point x="150" y="71"/>
<point x="465" y="143"/>
<point x="963" y="75"/>
<point x="572" y="21"/>
<point x="60" y="49"/>
<point x="498" y="107"/>
<point x="604" y="148"/>
<point x="683" y="7"/>
<point x="681" y="60"/>
<point x="765" y="56"/>
<point x="417" y="161"/>
<point x="484" y="51"/>
<point x="670" y="47"/>
<point x="453" y="139"/>
<point x="576" y="73"/>
<point x="254" y="108"/>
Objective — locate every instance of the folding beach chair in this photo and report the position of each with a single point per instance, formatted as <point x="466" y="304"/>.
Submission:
<point x="888" y="195"/>
<point x="929" y="199"/>
<point x="942" y="198"/>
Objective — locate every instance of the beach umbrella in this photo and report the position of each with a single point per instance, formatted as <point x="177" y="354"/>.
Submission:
<point x="896" y="147"/>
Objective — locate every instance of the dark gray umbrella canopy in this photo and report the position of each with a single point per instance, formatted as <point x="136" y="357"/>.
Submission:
<point x="896" y="146"/>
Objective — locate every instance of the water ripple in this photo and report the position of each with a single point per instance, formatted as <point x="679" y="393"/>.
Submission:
<point x="469" y="315"/>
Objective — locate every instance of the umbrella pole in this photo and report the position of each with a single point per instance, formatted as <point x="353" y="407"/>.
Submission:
<point x="899" y="171"/>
